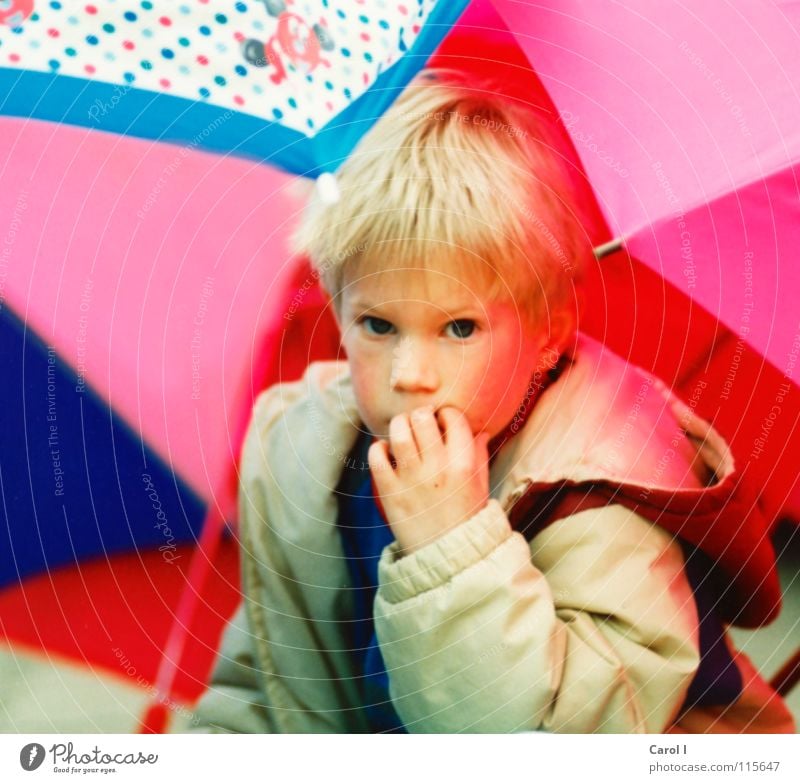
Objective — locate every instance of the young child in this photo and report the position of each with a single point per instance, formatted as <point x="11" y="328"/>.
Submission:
<point x="470" y="525"/>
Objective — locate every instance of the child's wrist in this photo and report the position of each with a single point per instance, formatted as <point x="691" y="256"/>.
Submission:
<point x="443" y="558"/>
<point x="412" y="535"/>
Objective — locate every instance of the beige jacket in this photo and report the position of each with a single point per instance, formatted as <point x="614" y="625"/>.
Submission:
<point x="590" y="627"/>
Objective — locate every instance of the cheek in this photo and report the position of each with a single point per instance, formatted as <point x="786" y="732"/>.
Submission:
<point x="494" y="395"/>
<point x="506" y="361"/>
<point x="364" y="373"/>
<point x="499" y="387"/>
<point x="368" y="376"/>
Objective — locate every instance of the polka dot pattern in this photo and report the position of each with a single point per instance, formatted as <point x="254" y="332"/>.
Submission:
<point x="295" y="67"/>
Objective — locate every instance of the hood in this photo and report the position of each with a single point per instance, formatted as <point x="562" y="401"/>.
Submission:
<point x="604" y="418"/>
<point x="610" y="428"/>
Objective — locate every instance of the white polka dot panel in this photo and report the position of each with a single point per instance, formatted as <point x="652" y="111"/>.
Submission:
<point x="297" y="62"/>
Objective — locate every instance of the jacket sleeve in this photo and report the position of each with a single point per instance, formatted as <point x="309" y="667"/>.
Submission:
<point x="234" y="701"/>
<point x="590" y="628"/>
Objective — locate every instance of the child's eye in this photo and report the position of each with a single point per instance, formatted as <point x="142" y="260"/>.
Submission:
<point x="462" y="328"/>
<point x="377" y="326"/>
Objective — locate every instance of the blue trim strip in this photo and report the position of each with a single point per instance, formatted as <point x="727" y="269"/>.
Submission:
<point x="337" y="139"/>
<point x="150" y="115"/>
<point x="364" y="535"/>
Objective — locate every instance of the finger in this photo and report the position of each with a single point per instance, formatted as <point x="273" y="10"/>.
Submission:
<point x="426" y="430"/>
<point x="380" y="465"/>
<point x="481" y="471"/>
<point x="401" y="439"/>
<point x="458" y="436"/>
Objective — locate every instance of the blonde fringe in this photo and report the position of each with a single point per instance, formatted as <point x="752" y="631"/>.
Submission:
<point x="454" y="178"/>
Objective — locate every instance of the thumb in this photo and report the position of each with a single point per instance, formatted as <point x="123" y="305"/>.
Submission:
<point x="482" y="462"/>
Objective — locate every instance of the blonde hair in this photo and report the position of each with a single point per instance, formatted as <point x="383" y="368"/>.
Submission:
<point x="454" y="177"/>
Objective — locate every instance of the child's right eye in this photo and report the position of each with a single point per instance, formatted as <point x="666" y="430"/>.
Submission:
<point x="377" y="326"/>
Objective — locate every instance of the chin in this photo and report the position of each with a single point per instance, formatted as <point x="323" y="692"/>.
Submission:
<point x="379" y="429"/>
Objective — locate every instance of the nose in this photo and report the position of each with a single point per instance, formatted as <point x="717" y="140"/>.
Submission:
<point x="414" y="367"/>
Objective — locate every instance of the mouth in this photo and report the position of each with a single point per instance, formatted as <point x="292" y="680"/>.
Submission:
<point x="383" y="431"/>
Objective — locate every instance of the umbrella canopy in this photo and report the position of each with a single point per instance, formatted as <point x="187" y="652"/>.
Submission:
<point x="144" y="282"/>
<point x="685" y="121"/>
<point x="690" y="140"/>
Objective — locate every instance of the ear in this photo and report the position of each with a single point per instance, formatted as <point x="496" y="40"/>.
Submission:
<point x="562" y="329"/>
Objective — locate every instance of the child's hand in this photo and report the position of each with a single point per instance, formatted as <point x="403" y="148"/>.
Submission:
<point x="441" y="478"/>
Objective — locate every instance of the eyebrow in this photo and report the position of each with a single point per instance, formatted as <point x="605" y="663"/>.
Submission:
<point x="360" y="307"/>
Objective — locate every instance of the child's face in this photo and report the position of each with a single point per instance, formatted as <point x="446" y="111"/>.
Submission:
<point x="415" y="338"/>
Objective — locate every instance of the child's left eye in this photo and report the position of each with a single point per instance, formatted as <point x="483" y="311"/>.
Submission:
<point x="376" y="326"/>
<point x="462" y="328"/>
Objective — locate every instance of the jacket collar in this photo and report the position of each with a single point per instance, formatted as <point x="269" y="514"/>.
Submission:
<point x="605" y="419"/>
